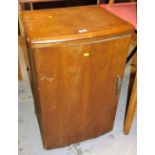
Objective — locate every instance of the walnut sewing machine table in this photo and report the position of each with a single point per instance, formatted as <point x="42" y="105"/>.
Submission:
<point x="77" y="58"/>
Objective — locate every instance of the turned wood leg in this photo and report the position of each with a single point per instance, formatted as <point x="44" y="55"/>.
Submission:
<point x="131" y="108"/>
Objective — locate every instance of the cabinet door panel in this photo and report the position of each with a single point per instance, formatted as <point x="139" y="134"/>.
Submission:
<point x="77" y="89"/>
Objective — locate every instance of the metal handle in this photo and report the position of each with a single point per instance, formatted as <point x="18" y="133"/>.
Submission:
<point x="118" y="84"/>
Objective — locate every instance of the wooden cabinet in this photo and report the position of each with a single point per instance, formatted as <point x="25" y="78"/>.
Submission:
<point x="77" y="58"/>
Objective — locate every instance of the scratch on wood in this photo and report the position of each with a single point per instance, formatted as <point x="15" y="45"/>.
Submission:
<point x="50" y="79"/>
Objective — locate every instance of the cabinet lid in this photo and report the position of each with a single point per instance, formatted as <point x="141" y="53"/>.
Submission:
<point x="72" y="23"/>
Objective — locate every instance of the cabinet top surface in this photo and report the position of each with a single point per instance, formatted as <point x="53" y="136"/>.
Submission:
<point x="65" y="24"/>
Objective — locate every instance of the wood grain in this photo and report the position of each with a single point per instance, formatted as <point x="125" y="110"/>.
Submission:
<point x="74" y="75"/>
<point x="77" y="90"/>
<point x="61" y="25"/>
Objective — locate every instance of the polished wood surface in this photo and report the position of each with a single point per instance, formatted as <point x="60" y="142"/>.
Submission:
<point x="131" y="109"/>
<point x="59" y="25"/>
<point x="76" y="86"/>
<point x="75" y="76"/>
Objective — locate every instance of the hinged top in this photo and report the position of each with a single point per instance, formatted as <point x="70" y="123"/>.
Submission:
<point x="74" y="23"/>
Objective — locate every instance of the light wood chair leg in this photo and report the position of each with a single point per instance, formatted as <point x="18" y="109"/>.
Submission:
<point x="98" y="2"/>
<point x="131" y="109"/>
<point x="21" y="27"/>
<point x="19" y="72"/>
<point x="111" y="2"/>
<point x="31" y="6"/>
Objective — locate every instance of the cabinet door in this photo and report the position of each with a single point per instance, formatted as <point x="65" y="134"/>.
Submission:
<point x="77" y="89"/>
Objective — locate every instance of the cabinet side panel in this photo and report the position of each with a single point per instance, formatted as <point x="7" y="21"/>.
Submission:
<point x="34" y="87"/>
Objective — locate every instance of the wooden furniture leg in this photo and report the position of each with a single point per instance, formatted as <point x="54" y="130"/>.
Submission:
<point x="31" y="6"/>
<point x="111" y="2"/>
<point x="19" y="72"/>
<point x="98" y="2"/>
<point x="21" y="28"/>
<point x="131" y="108"/>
